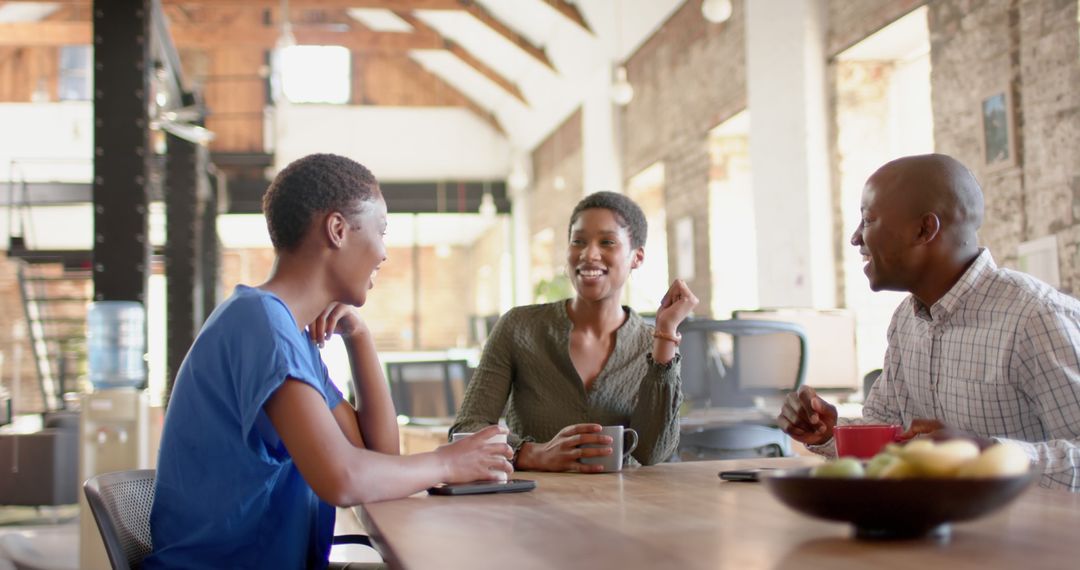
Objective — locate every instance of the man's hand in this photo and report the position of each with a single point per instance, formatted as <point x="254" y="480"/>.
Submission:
<point x="806" y="417"/>
<point x="473" y="459"/>
<point x="335" y="318"/>
<point x="564" y="450"/>
<point x="938" y="431"/>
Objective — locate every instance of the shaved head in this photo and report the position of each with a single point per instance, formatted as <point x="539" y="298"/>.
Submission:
<point x="934" y="183"/>
<point x="920" y="219"/>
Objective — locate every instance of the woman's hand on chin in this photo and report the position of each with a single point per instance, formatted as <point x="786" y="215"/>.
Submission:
<point x="336" y="318"/>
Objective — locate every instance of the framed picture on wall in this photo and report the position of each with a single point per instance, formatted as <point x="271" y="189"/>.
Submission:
<point x="999" y="150"/>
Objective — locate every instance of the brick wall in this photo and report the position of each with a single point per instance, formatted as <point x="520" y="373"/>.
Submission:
<point x="971" y="56"/>
<point x="560" y="155"/>
<point x="1049" y="103"/>
<point x="688" y="77"/>
<point x="1029" y="47"/>
<point x="13" y="333"/>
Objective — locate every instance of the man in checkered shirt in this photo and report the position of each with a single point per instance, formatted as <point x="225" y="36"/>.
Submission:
<point x="976" y="351"/>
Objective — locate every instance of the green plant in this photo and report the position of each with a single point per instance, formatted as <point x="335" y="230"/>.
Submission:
<point x="548" y="290"/>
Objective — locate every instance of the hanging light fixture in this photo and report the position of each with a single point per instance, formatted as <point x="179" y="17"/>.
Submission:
<point x="716" y="11"/>
<point x="621" y="90"/>
<point x="518" y="179"/>
<point x="487" y="204"/>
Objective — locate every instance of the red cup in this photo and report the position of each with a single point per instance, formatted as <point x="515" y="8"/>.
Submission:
<point x="864" y="441"/>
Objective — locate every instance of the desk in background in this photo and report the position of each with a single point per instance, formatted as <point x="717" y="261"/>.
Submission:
<point x="416" y="438"/>
<point x="680" y="515"/>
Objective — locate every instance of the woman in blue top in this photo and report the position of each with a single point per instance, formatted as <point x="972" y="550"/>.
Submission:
<point x="258" y="445"/>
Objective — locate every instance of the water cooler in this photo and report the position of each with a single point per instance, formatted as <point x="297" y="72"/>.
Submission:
<point x="114" y="425"/>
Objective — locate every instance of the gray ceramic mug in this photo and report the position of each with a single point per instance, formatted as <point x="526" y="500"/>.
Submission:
<point x="620" y="450"/>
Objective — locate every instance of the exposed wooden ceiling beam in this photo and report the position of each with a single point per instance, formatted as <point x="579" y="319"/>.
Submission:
<point x="307" y="4"/>
<point x="464" y="55"/>
<point x="469" y="6"/>
<point x="355" y="38"/>
<point x="46" y="33"/>
<point x="330" y="4"/>
<point x="570" y="12"/>
<point x="513" y="37"/>
<point x="484" y="114"/>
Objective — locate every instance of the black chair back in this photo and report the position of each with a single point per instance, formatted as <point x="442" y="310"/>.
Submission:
<point x="121" y="503"/>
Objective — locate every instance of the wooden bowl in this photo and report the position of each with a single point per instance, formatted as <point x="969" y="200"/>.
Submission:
<point x="894" y="508"/>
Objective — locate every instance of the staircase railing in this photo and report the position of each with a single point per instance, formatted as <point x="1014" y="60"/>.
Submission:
<point x="55" y="311"/>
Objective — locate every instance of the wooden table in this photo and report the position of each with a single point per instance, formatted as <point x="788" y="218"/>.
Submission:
<point x="680" y="515"/>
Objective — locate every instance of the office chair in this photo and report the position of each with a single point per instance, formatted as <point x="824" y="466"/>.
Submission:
<point x="121" y="503"/>
<point x="429" y="389"/>
<point x="726" y="364"/>
<point x="868" y="381"/>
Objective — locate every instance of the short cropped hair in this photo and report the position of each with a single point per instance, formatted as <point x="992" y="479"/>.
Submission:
<point x="627" y="213"/>
<point x="311" y="185"/>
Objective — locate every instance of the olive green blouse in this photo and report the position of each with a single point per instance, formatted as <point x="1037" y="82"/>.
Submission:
<point x="527" y="361"/>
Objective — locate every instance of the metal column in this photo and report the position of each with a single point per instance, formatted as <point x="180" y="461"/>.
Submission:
<point x="210" y="246"/>
<point x="121" y="149"/>
<point x="185" y="197"/>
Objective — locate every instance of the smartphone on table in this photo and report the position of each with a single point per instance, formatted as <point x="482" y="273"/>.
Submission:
<point x="482" y="487"/>
<point x="744" y="475"/>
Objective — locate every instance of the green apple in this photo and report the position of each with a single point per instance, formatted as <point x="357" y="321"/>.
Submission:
<point x="845" y="467"/>
<point x="878" y="463"/>
<point x="897" y="469"/>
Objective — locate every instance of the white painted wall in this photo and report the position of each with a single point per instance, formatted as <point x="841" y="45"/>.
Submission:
<point x="396" y="143"/>
<point x="46" y="142"/>
<point x="788" y="150"/>
<point x="51" y="227"/>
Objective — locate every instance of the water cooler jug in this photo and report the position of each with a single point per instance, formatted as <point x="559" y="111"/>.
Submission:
<point x="114" y="424"/>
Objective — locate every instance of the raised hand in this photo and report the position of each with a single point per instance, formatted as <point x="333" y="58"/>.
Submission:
<point x="674" y="307"/>
<point x="473" y="459"/>
<point x="564" y="450"/>
<point x="806" y="417"/>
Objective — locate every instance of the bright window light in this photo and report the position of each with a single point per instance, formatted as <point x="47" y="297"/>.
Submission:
<point x="316" y="74"/>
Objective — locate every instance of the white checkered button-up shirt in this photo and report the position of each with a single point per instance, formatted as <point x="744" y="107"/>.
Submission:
<point x="997" y="356"/>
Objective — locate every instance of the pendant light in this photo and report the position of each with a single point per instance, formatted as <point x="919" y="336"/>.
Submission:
<point x="716" y="11"/>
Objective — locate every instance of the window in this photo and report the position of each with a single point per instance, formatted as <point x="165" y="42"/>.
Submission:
<point x="76" y="79"/>
<point x="316" y="74"/>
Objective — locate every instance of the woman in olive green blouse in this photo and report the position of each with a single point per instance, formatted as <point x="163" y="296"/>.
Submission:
<point x="567" y="368"/>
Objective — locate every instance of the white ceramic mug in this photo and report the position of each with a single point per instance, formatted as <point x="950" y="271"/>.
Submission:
<point x="497" y="438"/>
<point x="619" y="455"/>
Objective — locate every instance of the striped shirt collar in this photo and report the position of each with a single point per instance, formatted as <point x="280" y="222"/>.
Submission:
<point x="968" y="282"/>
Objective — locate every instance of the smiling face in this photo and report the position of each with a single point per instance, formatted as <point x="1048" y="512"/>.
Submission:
<point x="599" y="256"/>
<point x="886" y="236"/>
<point x="361" y="251"/>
